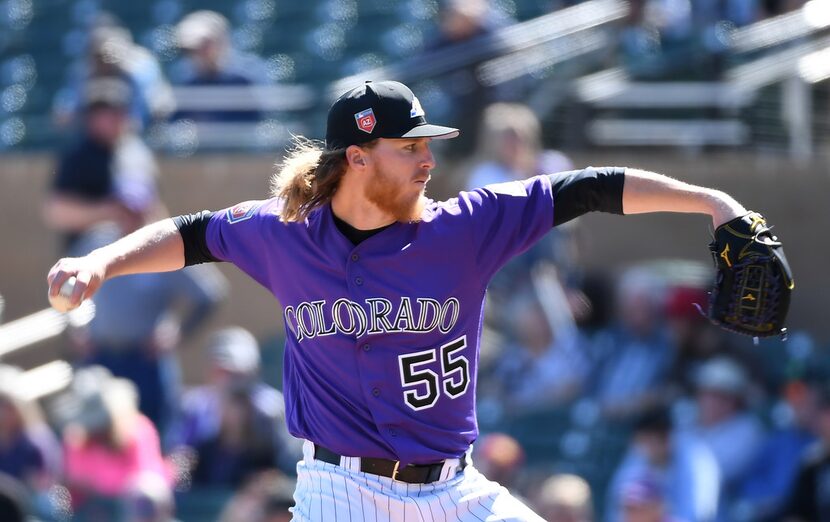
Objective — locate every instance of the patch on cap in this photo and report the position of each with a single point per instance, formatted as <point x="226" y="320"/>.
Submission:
<point x="416" y="110"/>
<point x="366" y="120"/>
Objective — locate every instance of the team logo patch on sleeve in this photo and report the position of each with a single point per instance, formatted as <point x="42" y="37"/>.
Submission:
<point x="242" y="212"/>
<point x="366" y="120"/>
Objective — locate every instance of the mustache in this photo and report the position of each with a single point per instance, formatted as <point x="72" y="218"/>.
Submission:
<point x="424" y="175"/>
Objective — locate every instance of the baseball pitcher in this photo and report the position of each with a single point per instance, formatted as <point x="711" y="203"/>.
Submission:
<point x="382" y="292"/>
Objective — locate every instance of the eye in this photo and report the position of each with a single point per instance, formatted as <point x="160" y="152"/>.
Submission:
<point x="410" y="147"/>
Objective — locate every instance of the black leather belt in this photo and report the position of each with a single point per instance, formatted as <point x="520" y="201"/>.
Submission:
<point x="412" y="473"/>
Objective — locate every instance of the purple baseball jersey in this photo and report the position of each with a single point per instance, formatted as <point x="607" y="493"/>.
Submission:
<point x="382" y="338"/>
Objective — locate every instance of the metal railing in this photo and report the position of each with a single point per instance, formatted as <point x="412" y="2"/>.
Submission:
<point x="508" y="52"/>
<point x="40" y="326"/>
<point x="791" y="50"/>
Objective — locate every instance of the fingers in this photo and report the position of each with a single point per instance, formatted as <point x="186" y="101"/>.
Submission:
<point x="85" y="280"/>
<point x="58" y="275"/>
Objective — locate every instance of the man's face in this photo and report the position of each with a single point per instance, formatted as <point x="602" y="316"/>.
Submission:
<point x="400" y="170"/>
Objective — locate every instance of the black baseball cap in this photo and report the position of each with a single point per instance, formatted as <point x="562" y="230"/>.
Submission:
<point x="379" y="110"/>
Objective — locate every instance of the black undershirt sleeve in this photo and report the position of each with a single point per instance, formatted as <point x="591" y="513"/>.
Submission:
<point x="193" y="229"/>
<point x="578" y="192"/>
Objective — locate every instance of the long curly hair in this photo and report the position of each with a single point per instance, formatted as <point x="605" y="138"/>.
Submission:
<point x="308" y="177"/>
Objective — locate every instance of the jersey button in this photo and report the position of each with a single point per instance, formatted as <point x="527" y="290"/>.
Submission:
<point x="358" y="281"/>
<point x="355" y="257"/>
<point x="367" y="347"/>
<point x="376" y="392"/>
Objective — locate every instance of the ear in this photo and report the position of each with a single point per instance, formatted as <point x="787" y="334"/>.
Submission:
<point x="357" y="157"/>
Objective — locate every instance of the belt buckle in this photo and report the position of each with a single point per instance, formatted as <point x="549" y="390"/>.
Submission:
<point x="395" y="470"/>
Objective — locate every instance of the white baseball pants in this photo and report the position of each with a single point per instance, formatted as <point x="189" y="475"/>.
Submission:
<point x="329" y="493"/>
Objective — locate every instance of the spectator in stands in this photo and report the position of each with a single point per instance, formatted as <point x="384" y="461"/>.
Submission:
<point x="773" y="473"/>
<point x="564" y="498"/>
<point x="500" y="456"/>
<point x="680" y="467"/>
<point x="29" y="451"/>
<point x="265" y="498"/>
<point x="211" y="61"/>
<point x="111" y="52"/>
<point x="723" y="418"/>
<point x="108" y="175"/>
<point x="545" y="365"/>
<point x="509" y="147"/>
<point x="696" y="339"/>
<point x="235" y="423"/>
<point x="643" y="500"/>
<point x="465" y="25"/>
<point x="106" y="187"/>
<point x="809" y="499"/>
<point x="658" y="40"/>
<point x="108" y="443"/>
<point x="634" y="354"/>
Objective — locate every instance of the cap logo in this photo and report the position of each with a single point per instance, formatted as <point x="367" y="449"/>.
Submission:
<point x="416" y="110"/>
<point x="366" y="121"/>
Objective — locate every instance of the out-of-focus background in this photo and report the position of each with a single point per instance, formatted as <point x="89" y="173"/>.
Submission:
<point x="603" y="395"/>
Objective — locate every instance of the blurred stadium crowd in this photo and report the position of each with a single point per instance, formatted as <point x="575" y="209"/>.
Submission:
<point x="601" y="396"/>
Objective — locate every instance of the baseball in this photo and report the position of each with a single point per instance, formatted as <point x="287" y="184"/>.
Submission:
<point x="61" y="301"/>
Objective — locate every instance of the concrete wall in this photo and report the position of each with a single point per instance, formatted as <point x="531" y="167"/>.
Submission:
<point x="795" y="200"/>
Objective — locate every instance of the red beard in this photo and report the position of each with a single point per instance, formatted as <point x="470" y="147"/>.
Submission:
<point x="404" y="205"/>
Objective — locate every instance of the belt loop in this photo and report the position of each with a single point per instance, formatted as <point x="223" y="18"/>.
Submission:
<point x="395" y="470"/>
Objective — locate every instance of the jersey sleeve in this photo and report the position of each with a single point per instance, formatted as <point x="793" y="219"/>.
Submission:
<point x="506" y="219"/>
<point x="577" y="192"/>
<point x="238" y="235"/>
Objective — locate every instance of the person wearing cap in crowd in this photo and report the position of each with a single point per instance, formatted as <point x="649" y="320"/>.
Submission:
<point x="680" y="464"/>
<point x="809" y="498"/>
<point x="112" y="52"/>
<point x="467" y="24"/>
<point x="105" y="187"/>
<point x="632" y="356"/>
<point x="236" y="422"/>
<point x="725" y="424"/>
<point x="108" y="443"/>
<point x="773" y="473"/>
<point x="383" y="291"/>
<point x="108" y="175"/>
<point x="211" y="61"/>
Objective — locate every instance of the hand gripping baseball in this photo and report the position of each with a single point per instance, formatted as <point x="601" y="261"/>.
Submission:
<point x="72" y="280"/>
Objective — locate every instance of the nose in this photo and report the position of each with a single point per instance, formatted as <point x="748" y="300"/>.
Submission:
<point x="428" y="160"/>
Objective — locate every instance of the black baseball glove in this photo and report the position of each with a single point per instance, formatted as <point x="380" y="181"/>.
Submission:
<point x="752" y="288"/>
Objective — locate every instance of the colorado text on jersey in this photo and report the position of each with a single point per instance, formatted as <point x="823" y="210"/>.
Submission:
<point x="311" y="319"/>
